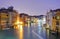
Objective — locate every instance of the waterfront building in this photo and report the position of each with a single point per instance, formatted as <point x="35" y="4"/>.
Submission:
<point x="7" y="17"/>
<point x="24" y="18"/>
<point x="53" y="20"/>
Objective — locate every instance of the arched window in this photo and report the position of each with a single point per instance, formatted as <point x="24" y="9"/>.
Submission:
<point x="57" y="22"/>
<point x="57" y="17"/>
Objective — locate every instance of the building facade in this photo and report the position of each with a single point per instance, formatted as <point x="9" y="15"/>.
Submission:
<point x="53" y="20"/>
<point x="24" y="18"/>
<point x="38" y="20"/>
<point x="7" y="17"/>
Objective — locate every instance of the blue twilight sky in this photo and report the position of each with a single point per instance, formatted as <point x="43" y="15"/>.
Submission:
<point x="31" y="7"/>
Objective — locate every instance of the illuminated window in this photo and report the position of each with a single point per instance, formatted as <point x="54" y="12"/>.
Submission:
<point x="57" y="17"/>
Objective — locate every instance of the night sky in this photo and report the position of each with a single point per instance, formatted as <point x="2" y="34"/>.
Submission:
<point x="31" y="7"/>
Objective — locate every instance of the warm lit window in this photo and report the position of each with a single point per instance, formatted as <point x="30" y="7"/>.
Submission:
<point x="4" y="15"/>
<point x="57" y="17"/>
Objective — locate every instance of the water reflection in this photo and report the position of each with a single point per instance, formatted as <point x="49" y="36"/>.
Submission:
<point x="20" y="28"/>
<point x="47" y="30"/>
